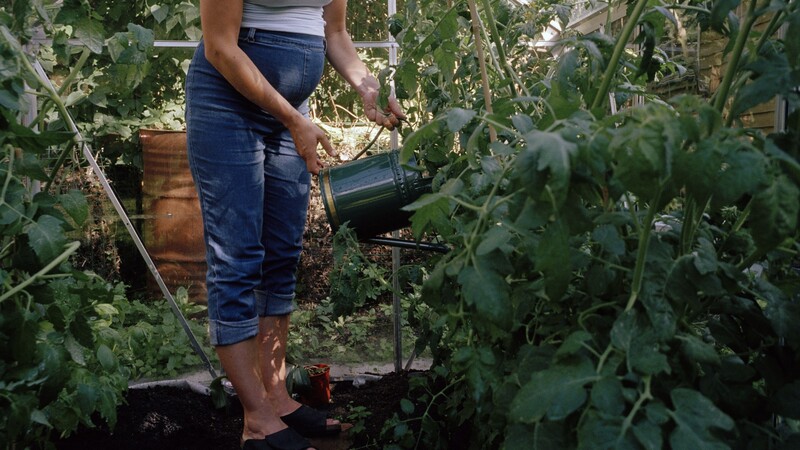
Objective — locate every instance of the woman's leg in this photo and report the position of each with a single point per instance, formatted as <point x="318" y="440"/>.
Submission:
<point x="287" y="185"/>
<point x="286" y="194"/>
<point x="239" y="362"/>
<point x="272" y="335"/>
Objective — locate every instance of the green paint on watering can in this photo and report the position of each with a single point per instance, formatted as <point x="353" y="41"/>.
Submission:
<point x="369" y="193"/>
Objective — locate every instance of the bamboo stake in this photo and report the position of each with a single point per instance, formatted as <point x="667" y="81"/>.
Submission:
<point x="487" y="96"/>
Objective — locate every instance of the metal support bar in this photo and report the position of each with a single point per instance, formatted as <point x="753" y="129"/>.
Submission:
<point x="397" y="309"/>
<point x="87" y="153"/>
<point x="164" y="43"/>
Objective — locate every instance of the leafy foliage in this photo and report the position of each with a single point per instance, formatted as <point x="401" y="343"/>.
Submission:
<point x="354" y="278"/>
<point x="151" y="341"/>
<point x="617" y="280"/>
<point x="59" y="363"/>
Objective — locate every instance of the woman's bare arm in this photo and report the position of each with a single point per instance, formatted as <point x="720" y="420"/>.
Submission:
<point x="344" y="59"/>
<point x="221" y="21"/>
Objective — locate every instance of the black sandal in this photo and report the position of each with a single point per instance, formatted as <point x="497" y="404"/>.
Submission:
<point x="286" y="439"/>
<point x="311" y="423"/>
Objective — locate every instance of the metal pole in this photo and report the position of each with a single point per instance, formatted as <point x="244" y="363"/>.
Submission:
<point x="192" y="44"/>
<point x="397" y="309"/>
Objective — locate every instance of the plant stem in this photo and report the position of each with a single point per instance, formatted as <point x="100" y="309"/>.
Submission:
<point x="751" y="259"/>
<point x="434" y="397"/>
<point x="7" y="181"/>
<point x="641" y="254"/>
<point x="743" y="216"/>
<point x="498" y="125"/>
<point x="770" y="30"/>
<point x="766" y="34"/>
<point x="75" y="70"/>
<point x="487" y="96"/>
<point x="71" y="247"/>
<point x="721" y="96"/>
<point x="619" y="48"/>
<point x="646" y="395"/>
<point x="604" y="358"/>
<point x="590" y="310"/>
<point x="57" y="166"/>
<point x="495" y="37"/>
<point x="691" y="222"/>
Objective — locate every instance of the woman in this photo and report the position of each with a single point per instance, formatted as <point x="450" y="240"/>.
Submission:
<point x="252" y="149"/>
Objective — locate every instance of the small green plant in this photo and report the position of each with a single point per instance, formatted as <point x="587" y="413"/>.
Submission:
<point x="219" y="397"/>
<point x="298" y="381"/>
<point x="153" y="342"/>
<point x="357" y="415"/>
<point x="354" y="279"/>
<point x="364" y="335"/>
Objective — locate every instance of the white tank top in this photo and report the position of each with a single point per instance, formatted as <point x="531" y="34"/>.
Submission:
<point x="304" y="16"/>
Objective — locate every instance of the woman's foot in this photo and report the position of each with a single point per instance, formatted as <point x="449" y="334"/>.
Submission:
<point x="286" y="439"/>
<point x="287" y="407"/>
<point x="312" y="423"/>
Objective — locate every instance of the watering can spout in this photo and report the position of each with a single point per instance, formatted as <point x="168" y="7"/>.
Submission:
<point x="369" y="193"/>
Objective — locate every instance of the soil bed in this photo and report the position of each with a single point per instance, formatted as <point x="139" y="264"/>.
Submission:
<point x="167" y="417"/>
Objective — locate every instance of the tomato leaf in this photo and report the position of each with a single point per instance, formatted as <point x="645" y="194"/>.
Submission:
<point x="552" y="259"/>
<point x="695" y="416"/>
<point x="487" y="291"/>
<point x="46" y="238"/>
<point x="774" y="214"/>
<point x="555" y="392"/>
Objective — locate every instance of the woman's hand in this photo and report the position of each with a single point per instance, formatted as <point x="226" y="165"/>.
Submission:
<point x="344" y="58"/>
<point x="388" y="119"/>
<point x="307" y="136"/>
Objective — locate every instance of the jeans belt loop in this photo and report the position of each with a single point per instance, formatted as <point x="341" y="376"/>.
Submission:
<point x="251" y="35"/>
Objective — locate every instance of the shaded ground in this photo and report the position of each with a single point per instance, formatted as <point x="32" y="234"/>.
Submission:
<point x="175" y="418"/>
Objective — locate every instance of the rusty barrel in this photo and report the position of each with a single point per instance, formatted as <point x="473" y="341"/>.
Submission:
<point x="370" y="192"/>
<point x="173" y="227"/>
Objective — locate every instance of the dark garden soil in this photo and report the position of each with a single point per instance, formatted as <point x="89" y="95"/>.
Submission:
<point x="175" y="418"/>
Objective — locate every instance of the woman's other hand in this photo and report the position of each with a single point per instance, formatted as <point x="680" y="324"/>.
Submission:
<point x="307" y="136"/>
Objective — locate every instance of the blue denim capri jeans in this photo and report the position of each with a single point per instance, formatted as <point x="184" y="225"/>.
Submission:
<point x="252" y="185"/>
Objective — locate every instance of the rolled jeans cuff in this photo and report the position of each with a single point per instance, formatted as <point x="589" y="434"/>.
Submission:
<point x="268" y="304"/>
<point x="227" y="333"/>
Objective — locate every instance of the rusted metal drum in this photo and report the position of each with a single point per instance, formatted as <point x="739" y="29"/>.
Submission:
<point x="173" y="227"/>
<point x="370" y="192"/>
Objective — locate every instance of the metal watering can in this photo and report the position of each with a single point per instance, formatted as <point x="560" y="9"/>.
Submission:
<point x="369" y="194"/>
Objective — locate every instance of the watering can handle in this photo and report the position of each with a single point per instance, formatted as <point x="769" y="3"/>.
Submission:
<point x="361" y="153"/>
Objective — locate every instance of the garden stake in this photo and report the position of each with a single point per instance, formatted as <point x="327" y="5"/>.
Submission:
<point x="87" y="152"/>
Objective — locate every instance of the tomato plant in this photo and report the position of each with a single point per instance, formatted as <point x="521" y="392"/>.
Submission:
<point x="58" y="367"/>
<point x="616" y="280"/>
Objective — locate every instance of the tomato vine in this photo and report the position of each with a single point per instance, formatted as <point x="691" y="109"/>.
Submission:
<point x="616" y="280"/>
